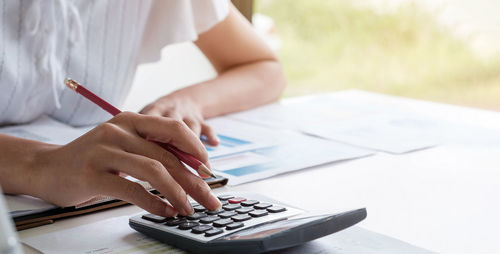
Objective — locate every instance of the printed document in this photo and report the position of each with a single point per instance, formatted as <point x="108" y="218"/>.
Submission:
<point x="345" y="117"/>
<point x="114" y="236"/>
<point x="280" y="151"/>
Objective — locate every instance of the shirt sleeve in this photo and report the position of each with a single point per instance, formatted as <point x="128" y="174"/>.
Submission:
<point x="175" y="21"/>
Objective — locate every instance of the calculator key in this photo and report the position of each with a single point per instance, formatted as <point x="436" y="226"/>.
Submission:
<point x="199" y="208"/>
<point x="244" y="210"/>
<point x="249" y="202"/>
<point x="224" y="202"/>
<point x="230" y="207"/>
<point x="227" y="214"/>
<point x="276" y="209"/>
<point x="258" y="213"/>
<point x="213" y="232"/>
<point x="241" y="217"/>
<point x="188" y="225"/>
<point x="175" y="222"/>
<point x="234" y="225"/>
<point x="215" y="211"/>
<point x="262" y="206"/>
<point x="201" y="228"/>
<point x="209" y="219"/>
<point x="222" y="222"/>
<point x="196" y="216"/>
<point x="154" y="218"/>
<point x="236" y="200"/>
<point x="225" y="197"/>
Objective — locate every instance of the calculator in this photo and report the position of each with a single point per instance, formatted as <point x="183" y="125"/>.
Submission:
<point x="246" y="223"/>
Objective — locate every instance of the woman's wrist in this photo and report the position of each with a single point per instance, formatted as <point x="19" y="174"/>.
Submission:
<point x="20" y="165"/>
<point x="186" y="96"/>
<point x="34" y="171"/>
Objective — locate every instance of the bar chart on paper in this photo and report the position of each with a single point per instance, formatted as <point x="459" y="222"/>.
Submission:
<point x="249" y="152"/>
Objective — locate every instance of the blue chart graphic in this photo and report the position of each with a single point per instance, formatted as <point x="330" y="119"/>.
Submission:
<point x="228" y="142"/>
<point x="273" y="152"/>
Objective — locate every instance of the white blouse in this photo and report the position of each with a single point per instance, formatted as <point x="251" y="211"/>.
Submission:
<point x="98" y="43"/>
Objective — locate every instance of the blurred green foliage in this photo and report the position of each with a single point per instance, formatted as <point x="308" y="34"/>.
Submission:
<point x="331" y="45"/>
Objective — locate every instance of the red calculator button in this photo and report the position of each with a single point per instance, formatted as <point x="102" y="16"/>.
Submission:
<point x="236" y="200"/>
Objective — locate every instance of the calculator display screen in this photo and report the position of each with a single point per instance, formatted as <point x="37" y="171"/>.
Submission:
<point x="269" y="229"/>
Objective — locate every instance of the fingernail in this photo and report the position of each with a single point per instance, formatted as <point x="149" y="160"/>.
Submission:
<point x="219" y="204"/>
<point x="170" y="211"/>
<point x="188" y="209"/>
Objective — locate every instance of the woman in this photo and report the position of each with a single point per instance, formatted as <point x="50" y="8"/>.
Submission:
<point x="100" y="43"/>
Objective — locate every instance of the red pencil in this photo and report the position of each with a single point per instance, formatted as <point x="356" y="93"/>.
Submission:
<point x="182" y="156"/>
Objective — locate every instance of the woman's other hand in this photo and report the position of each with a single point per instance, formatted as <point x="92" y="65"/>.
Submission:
<point x="185" y="109"/>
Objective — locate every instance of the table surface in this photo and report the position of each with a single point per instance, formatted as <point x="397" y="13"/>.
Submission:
<point x="443" y="199"/>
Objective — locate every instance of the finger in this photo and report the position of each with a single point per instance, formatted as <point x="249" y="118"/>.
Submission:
<point x="208" y="132"/>
<point x="165" y="130"/>
<point x="120" y="188"/>
<point x="192" y="184"/>
<point x="132" y="142"/>
<point x="158" y="111"/>
<point x="195" y="187"/>
<point x="152" y="171"/>
<point x="150" y="110"/>
<point x="193" y="125"/>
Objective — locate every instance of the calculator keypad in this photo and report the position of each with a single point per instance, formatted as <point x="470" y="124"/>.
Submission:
<point x="213" y="232"/>
<point x="215" y="212"/>
<point x="249" y="202"/>
<point x="244" y="210"/>
<point x="241" y="217"/>
<point x="196" y="216"/>
<point x="225" y="197"/>
<point x="222" y="222"/>
<point x="234" y="225"/>
<point x="230" y="207"/>
<point x="236" y="200"/>
<point x="201" y="229"/>
<point x="188" y="225"/>
<point x="235" y="213"/>
<point x="175" y="222"/>
<point x="262" y="206"/>
<point x="258" y="213"/>
<point x="227" y="214"/>
<point x="209" y="219"/>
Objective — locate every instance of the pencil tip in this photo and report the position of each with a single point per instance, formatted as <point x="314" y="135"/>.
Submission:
<point x="205" y="171"/>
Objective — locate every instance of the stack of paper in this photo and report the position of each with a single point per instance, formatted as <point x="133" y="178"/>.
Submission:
<point x="270" y="152"/>
<point x="344" y="118"/>
<point x="115" y="236"/>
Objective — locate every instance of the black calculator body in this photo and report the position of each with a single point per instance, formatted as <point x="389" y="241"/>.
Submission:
<point x="247" y="223"/>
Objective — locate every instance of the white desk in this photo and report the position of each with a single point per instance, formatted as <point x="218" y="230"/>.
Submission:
<point x="443" y="199"/>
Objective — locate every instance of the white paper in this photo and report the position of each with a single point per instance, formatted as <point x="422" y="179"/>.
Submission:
<point x="290" y="151"/>
<point x="236" y="136"/>
<point x="113" y="236"/>
<point x="104" y="237"/>
<point x="47" y="130"/>
<point x="20" y="205"/>
<point x="346" y="118"/>
<point x="355" y="240"/>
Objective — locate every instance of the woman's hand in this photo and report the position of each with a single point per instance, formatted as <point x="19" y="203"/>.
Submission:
<point x="91" y="165"/>
<point x="182" y="108"/>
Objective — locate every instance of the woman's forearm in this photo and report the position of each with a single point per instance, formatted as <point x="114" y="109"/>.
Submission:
<point x="238" y="88"/>
<point x="17" y="164"/>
